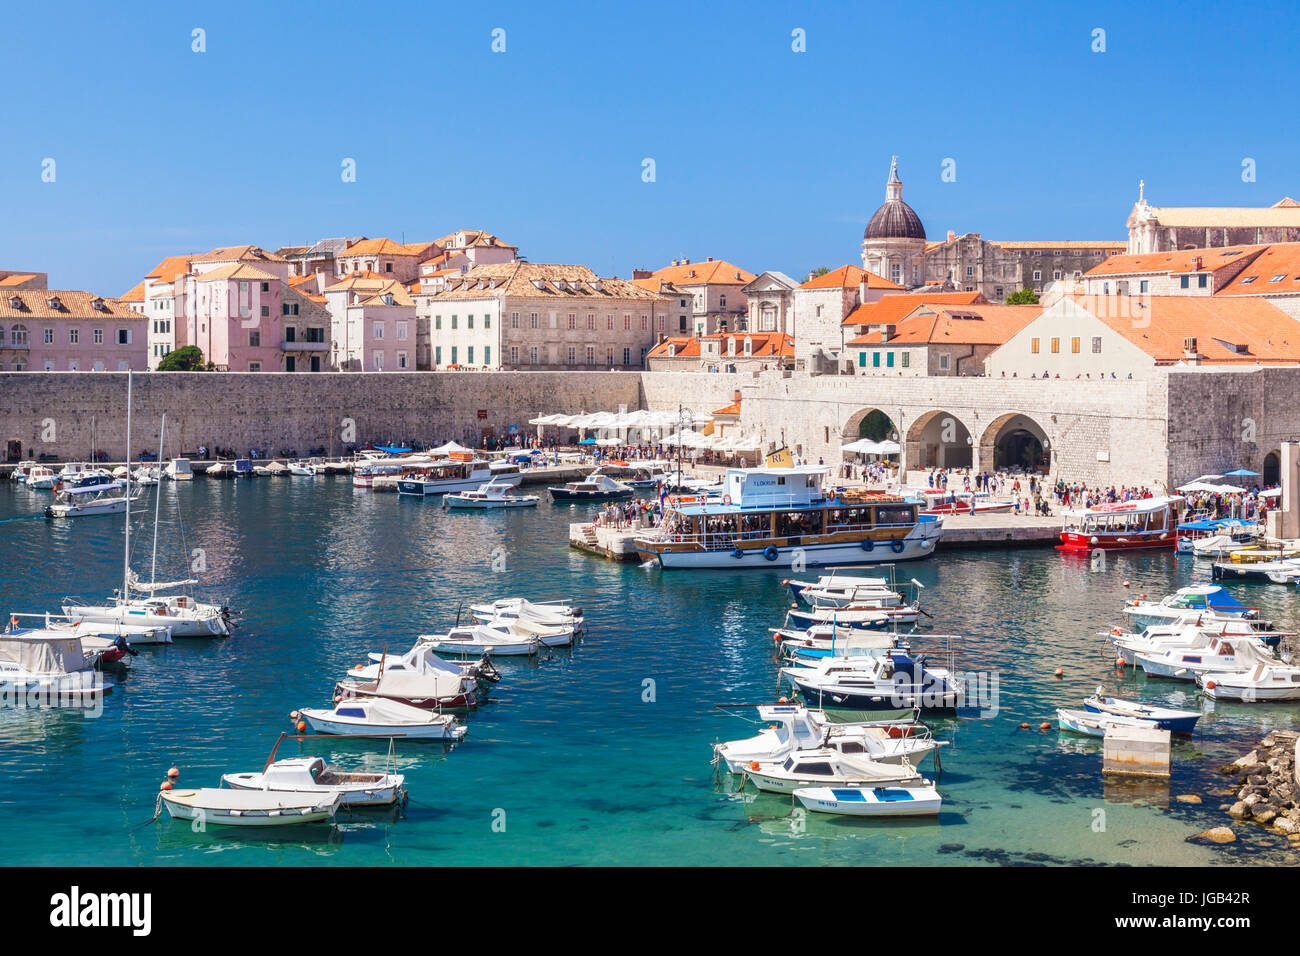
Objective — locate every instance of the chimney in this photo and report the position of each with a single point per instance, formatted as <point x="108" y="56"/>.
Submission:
<point x="1196" y="263"/>
<point x="641" y="273"/>
<point x="735" y="396"/>
<point x="708" y="258"/>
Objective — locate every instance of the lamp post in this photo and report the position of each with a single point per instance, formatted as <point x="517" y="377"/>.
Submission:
<point x="684" y="416"/>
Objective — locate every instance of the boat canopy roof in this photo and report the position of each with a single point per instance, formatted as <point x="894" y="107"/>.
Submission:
<point x="1210" y="524"/>
<point x="43" y="652"/>
<point x="88" y="489"/>
<point x="1135" y="506"/>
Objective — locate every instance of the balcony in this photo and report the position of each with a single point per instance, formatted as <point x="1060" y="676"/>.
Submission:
<point x="296" y="346"/>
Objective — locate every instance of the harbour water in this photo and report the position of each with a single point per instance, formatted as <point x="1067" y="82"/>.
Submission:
<point x="598" y="755"/>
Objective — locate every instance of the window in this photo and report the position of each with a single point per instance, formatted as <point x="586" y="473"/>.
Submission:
<point x="573" y="320"/>
<point x="254" y="338"/>
<point x="266" y="311"/>
<point x="284" y="308"/>
<point x="266" y="287"/>
<point x="49" y="336"/>
<point x="453" y="321"/>
<point x="378" y="360"/>
<point x="532" y="353"/>
<point x="1248" y="280"/>
<point x="1056" y="346"/>
<point x="609" y="322"/>
<point x="573" y="355"/>
<point x="487" y="321"/>
<point x="74" y="336"/>
<point x="123" y="336"/>
<point x="295" y="308"/>
<point x="970" y="271"/>
<point x="469" y="355"/>
<point x="514" y="355"/>
<point x="97" y="336"/>
<point x="889" y="360"/>
<point x="532" y="322"/>
<point x="1074" y="345"/>
<point x="627" y="356"/>
<point x="1033" y="346"/>
<point x="453" y="355"/>
<point x="290" y="333"/>
<point x="401" y="331"/>
<point x="1096" y="345"/>
<point x="437" y="321"/>
<point x="1144" y="286"/>
<point x="591" y="355"/>
<point x="722" y="301"/>
<point x="388" y="267"/>
<point x="514" y="320"/>
<point x="401" y="360"/>
<point x="1184" y="282"/>
<point x="875" y="360"/>
<point x="1038" y="275"/>
<point x="609" y="357"/>
<point x="627" y="325"/>
<point x="944" y="362"/>
<point x="1202" y="281"/>
<point x="290" y="365"/>
<point x="906" y="359"/>
<point x="437" y="355"/>
<point x="661" y="323"/>
<point x="645" y="323"/>
<point x="255" y="366"/>
<point x="591" y="321"/>
<point x="487" y="355"/>
<point x="862" y="360"/>
<point x="377" y="330"/>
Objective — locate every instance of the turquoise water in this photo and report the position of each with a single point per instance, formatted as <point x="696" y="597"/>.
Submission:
<point x="569" y="763"/>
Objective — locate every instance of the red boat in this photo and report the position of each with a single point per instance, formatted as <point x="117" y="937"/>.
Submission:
<point x="939" y="501"/>
<point x="1140" y="523"/>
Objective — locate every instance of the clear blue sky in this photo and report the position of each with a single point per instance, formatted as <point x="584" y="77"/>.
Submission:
<point x="766" y="157"/>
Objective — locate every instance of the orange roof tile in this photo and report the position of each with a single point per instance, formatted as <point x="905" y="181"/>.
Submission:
<point x="1275" y="271"/>
<point x="975" y="324"/>
<point x="850" y="277"/>
<point x="386" y="247"/>
<point x="732" y="409"/>
<point x="716" y="272"/>
<point x="170" y="268"/>
<point x="1182" y="260"/>
<point x="1228" y="331"/>
<point x="762" y="345"/>
<point x="892" y="309"/>
<point x="134" y="294"/>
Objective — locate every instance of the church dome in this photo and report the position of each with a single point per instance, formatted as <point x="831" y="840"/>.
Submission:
<point x="895" y="219"/>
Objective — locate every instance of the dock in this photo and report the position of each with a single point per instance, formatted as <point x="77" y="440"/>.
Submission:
<point x="959" y="531"/>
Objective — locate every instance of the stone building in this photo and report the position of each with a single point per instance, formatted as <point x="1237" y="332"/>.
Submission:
<point x="770" y="299"/>
<point x="539" y="316"/>
<point x="820" y="307"/>
<point x="68" y="330"/>
<point x="934" y="338"/>
<point x="1170" y="228"/>
<point x="714" y="287"/>
<point x="723" y="352"/>
<point x="386" y="258"/>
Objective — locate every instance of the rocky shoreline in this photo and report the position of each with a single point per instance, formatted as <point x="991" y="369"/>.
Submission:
<point x="1267" y="791"/>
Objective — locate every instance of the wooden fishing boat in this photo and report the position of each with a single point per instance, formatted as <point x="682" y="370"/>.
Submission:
<point x="214" y="806"/>
<point x="1166" y="718"/>
<point x="312" y="776"/>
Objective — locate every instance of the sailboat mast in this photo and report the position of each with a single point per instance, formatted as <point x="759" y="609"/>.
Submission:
<point x="157" y="505"/>
<point x="126" y="548"/>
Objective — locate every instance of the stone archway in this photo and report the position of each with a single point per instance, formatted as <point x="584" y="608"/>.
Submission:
<point x="939" y="439"/>
<point x="1272" y="476"/>
<point x="873" y="423"/>
<point x="1014" y="441"/>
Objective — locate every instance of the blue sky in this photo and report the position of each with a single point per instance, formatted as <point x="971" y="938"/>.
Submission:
<point x="769" y="158"/>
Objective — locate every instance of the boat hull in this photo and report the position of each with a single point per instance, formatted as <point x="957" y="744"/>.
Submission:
<point x="382" y="795"/>
<point x="871" y="801"/>
<point x="1077" y="541"/>
<point x="805" y="555"/>
<point x="179" y="626"/>
<point x="179" y="805"/>
<point x="321" y="723"/>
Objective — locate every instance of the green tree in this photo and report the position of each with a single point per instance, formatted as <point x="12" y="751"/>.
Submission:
<point x="1023" y="297"/>
<point x="188" y="358"/>
<point x="819" y="271"/>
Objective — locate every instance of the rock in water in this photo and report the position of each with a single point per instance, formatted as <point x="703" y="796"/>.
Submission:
<point x="1215" y="835"/>
<point x="1187" y="798"/>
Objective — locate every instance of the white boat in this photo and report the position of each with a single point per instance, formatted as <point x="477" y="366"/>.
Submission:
<point x="795" y="727"/>
<point x="804" y="768"/>
<point x="595" y="487"/>
<point x="461" y="471"/>
<point x="548" y="613"/>
<point x="1209" y="599"/>
<point x="146" y="475"/>
<point x="911" y="801"/>
<point x="42" y="478"/>
<point x="429" y="689"/>
<point x="48" y="665"/>
<point x="89" y="500"/>
<point x="806" y="648"/>
<point x="1166" y="718"/>
<point x="220" y="469"/>
<point x="178" y="469"/>
<point x="382" y="717"/>
<point x="21" y="471"/>
<point x="871" y="682"/>
<point x="311" y="776"/>
<point x="490" y="495"/>
<point x="87" y="630"/>
<point x="1227" y="653"/>
<point x="250" y="808"/>
<point x="420" y="659"/>
<point x="302" y="469"/>
<point x="480" y="640"/>
<point x="1192" y="630"/>
<point x="781" y="517"/>
<point x="1093" y="724"/>
<point x="1263" y="682"/>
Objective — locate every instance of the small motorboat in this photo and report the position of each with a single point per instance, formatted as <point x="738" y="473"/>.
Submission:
<point x="101" y="498"/>
<point x="480" y="640"/>
<point x="250" y="808"/>
<point x="844" y="592"/>
<point x="178" y="469"/>
<point x="914" y="801"/>
<point x="595" y="487"/>
<point x="146" y="475"/>
<point x="1166" y="718"/>
<point x="1093" y="724"/>
<point x="41" y="478"/>
<point x="21" y="471"/>
<point x="494" y="494"/>
<point x="874" y="682"/>
<point x="421" y="658"/>
<point x="1222" y="653"/>
<point x="302" y="469"/>
<point x="220" y="469"/>
<point x="311" y="776"/>
<point x="804" y="768"/>
<point x="48" y="665"/>
<point x="1279" y="570"/>
<point x="428" y="690"/>
<point x="1193" y="630"/>
<point x="1212" y="600"/>
<point x="1264" y="682"/>
<point x="552" y="614"/>
<point x="381" y="717"/>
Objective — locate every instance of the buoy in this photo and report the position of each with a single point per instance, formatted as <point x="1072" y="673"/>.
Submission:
<point x="173" y="773"/>
<point x="753" y="765"/>
<point x="1024" y="726"/>
<point x="1125" y="584"/>
<point x="1116" y="631"/>
<point x="1060" y="672"/>
<point x="166" y="785"/>
<point x="293" y="715"/>
<point x="1045" y="725"/>
<point x="1143" y="595"/>
<point x="1119" y="662"/>
<point x="302" y="726"/>
<point x="1210" y="685"/>
<point x="782" y="700"/>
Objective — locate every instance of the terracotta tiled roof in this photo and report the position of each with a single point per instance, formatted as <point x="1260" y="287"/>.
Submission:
<point x="732" y="409"/>
<point x="16" y="280"/>
<point x="1275" y="271"/>
<point x="892" y="309"/>
<point x="1180" y="261"/>
<point x="73" y="304"/>
<point x="977" y="324"/>
<point x="537" y="279"/>
<point x="170" y="268"/>
<point x="717" y="272"/>
<point x="1067" y="244"/>
<point x="850" y="277"/>
<point x="135" y="294"/>
<point x="386" y="247"/>
<point x="763" y="345"/>
<point x="394" y="288"/>
<point x="237" y="270"/>
<point x="239" y="254"/>
<point x="475" y="237"/>
<point x="359" y="281"/>
<point x="1228" y="331"/>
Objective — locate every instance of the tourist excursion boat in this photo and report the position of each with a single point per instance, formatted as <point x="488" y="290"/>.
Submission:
<point x="216" y="806"/>
<point x="1140" y="523"/>
<point x="1166" y="718"/>
<point x="1263" y="682"/>
<point x="595" y="487"/>
<point x="100" y="498"/>
<point x="380" y="717"/>
<point x="912" y="801"/>
<point x="461" y="471"/>
<point x="942" y="501"/>
<point x="494" y="494"/>
<point x="1212" y="600"/>
<point x="310" y="776"/>
<point x="777" y="517"/>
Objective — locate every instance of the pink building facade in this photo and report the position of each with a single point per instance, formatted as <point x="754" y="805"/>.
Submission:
<point x="59" y="330"/>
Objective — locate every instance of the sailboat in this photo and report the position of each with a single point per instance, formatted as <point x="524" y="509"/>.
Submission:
<point x="149" y="604"/>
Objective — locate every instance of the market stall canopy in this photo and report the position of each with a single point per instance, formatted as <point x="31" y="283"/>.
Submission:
<point x="1241" y="473"/>
<point x="450" y="448"/>
<point x="393" y="449"/>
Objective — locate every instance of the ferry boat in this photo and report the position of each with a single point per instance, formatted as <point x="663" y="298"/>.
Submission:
<point x="775" y="517"/>
<point x="1140" y="523"/>
<point x="460" y="472"/>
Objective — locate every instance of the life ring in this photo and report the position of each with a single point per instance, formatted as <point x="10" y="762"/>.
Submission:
<point x="770" y="553"/>
<point x="897" y="546"/>
<point x="868" y="544"/>
<point x="726" y="499"/>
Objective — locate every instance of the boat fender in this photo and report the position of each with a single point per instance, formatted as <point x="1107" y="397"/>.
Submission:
<point x="1210" y="685"/>
<point x="173" y="773"/>
<point x="1093" y="539"/>
<point x="293" y="715"/>
<point x="770" y="553"/>
<point x="738" y="553"/>
<point x="868" y="544"/>
<point x="897" y="547"/>
<point x="302" y="726"/>
<point x="753" y="765"/>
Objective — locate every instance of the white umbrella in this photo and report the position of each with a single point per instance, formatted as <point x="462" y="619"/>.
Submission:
<point x="608" y="442"/>
<point x="888" y="447"/>
<point x="449" y="448"/>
